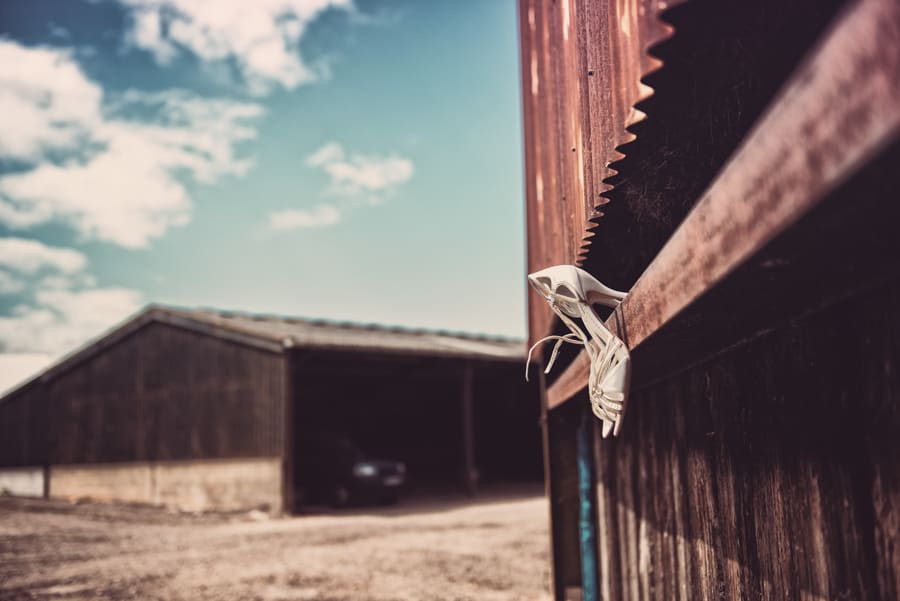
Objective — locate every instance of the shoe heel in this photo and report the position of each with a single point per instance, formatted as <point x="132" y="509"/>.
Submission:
<point x="596" y="292"/>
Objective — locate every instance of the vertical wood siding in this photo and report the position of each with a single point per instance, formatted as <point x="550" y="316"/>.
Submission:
<point x="770" y="472"/>
<point x="160" y="394"/>
<point x="23" y="429"/>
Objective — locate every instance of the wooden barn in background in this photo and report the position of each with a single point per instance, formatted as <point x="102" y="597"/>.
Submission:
<point x="735" y="165"/>
<point x="204" y="410"/>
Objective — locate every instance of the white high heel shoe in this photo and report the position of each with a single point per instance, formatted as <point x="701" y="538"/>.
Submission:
<point x="571" y="293"/>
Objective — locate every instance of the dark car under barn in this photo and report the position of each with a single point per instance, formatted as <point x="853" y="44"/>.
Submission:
<point x="333" y="470"/>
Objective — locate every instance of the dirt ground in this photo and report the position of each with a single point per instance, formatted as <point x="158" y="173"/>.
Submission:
<point x="495" y="547"/>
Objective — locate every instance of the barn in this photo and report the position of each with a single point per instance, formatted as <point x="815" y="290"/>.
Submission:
<point x="734" y="167"/>
<point x="203" y="409"/>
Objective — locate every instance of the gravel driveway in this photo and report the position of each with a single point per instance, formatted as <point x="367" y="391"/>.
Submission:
<point x="493" y="548"/>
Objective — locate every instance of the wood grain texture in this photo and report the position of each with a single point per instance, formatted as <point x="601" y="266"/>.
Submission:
<point x="767" y="473"/>
<point x="159" y="394"/>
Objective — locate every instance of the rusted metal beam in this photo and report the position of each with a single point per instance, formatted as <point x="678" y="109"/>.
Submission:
<point x="838" y="110"/>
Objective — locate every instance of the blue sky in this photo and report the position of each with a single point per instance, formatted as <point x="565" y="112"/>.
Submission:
<point x="321" y="158"/>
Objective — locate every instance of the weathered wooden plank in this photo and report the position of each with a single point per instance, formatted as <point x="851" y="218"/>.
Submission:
<point x="886" y="501"/>
<point x="771" y="469"/>
<point x="564" y="499"/>
<point x="549" y="478"/>
<point x="164" y="393"/>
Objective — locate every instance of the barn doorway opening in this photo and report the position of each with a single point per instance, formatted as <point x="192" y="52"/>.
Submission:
<point x="454" y="424"/>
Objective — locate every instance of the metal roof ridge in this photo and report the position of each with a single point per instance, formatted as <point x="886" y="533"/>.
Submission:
<point x="226" y="314"/>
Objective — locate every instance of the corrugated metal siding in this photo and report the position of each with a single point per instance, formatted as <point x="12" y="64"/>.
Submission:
<point x="161" y="393"/>
<point x="724" y="65"/>
<point x="582" y="64"/>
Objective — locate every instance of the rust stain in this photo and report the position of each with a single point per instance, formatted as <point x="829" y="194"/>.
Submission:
<point x="582" y="65"/>
<point x="843" y="103"/>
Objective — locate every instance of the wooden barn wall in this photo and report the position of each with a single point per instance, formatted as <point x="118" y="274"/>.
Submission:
<point x="162" y="393"/>
<point x="770" y="472"/>
<point x="23" y="430"/>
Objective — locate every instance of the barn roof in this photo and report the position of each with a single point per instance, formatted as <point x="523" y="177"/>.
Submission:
<point x="278" y="333"/>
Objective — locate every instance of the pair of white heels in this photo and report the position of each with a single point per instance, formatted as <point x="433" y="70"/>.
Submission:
<point x="572" y="292"/>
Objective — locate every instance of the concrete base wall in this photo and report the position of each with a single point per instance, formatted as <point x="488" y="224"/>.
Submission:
<point x="205" y="485"/>
<point x="22" y="481"/>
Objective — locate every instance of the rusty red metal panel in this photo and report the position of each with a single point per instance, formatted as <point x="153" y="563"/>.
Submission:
<point x="582" y="64"/>
<point x="842" y="103"/>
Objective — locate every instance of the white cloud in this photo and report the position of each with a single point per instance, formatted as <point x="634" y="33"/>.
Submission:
<point x="129" y="188"/>
<point x="63" y="305"/>
<point x="261" y="37"/>
<point x="369" y="176"/>
<point x="46" y="102"/>
<point x="31" y="264"/>
<point x="290" y="219"/>
<point x="10" y="284"/>
<point x="372" y="174"/>
<point x="147" y="33"/>
<point x="59" y="320"/>
<point x="67" y="281"/>
<point x="360" y="173"/>
<point x="16" y="368"/>
<point x="30" y="256"/>
<point x="55" y="323"/>
<point x="329" y="153"/>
